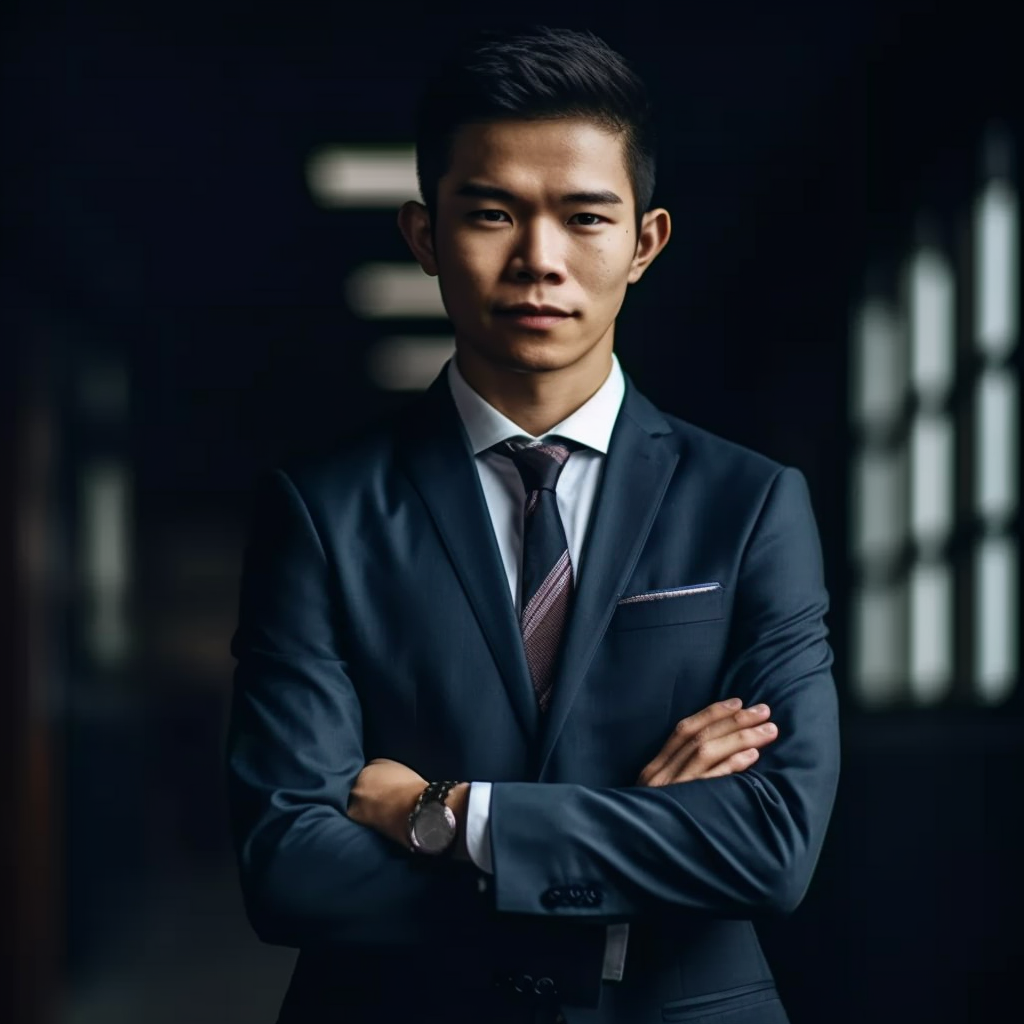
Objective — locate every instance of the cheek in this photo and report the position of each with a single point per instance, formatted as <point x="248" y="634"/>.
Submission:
<point x="472" y="261"/>
<point x="604" y="270"/>
<point x="457" y="276"/>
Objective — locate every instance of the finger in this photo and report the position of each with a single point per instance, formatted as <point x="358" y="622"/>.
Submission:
<point x="686" y="728"/>
<point x="745" y="718"/>
<point x="714" y="751"/>
<point x="733" y="765"/>
<point x="701" y="728"/>
<point x="714" y="721"/>
<point x="703" y="753"/>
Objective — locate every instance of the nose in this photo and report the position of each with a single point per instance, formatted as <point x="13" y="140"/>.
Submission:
<point x="538" y="255"/>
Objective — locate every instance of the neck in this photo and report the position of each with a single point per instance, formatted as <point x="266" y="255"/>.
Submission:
<point x="535" y="400"/>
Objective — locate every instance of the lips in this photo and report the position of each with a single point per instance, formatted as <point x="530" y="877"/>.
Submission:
<point x="538" y="319"/>
<point x="526" y="309"/>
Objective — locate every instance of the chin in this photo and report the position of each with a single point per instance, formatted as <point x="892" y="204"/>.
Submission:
<point x="538" y="359"/>
<point x="528" y="353"/>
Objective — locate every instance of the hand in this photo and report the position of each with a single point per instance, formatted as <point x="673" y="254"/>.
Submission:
<point x="384" y="795"/>
<point x="720" y="740"/>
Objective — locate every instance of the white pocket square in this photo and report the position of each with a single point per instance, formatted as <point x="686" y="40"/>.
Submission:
<point x="660" y="595"/>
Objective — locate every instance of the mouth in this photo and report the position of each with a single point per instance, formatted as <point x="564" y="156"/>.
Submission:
<point x="533" y="317"/>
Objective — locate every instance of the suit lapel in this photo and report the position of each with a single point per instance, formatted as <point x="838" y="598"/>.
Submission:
<point x="636" y="475"/>
<point x="439" y="461"/>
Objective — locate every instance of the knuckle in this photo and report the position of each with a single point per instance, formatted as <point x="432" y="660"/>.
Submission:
<point x="702" y="746"/>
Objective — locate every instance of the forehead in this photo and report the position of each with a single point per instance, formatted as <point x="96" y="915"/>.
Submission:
<point x="537" y="157"/>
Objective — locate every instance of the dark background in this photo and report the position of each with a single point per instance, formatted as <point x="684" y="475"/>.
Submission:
<point x="159" y="241"/>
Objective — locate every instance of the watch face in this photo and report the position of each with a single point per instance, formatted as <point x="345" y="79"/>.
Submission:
<point x="434" y="828"/>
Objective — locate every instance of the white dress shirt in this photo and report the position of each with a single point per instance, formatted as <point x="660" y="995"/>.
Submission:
<point x="590" y="425"/>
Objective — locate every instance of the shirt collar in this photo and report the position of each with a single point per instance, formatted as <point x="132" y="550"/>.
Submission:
<point x="590" y="425"/>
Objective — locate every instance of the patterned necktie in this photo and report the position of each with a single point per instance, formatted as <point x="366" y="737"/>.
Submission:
<point x="546" y="583"/>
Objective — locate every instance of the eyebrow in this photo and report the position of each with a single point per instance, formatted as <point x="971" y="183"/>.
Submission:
<point x="474" y="190"/>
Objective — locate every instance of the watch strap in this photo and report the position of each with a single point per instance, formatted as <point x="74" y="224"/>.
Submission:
<point x="436" y="791"/>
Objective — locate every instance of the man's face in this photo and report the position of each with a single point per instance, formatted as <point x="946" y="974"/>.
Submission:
<point x="534" y="243"/>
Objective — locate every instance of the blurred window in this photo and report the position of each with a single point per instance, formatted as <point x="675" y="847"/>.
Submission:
<point x="935" y="467"/>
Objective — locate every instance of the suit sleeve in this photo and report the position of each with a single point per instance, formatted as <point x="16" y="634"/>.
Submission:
<point x="309" y="874"/>
<point x="734" y="846"/>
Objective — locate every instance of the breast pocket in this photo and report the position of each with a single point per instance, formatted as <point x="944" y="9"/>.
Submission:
<point x="702" y="602"/>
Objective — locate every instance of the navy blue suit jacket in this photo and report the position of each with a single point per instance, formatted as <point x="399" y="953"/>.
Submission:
<point x="375" y="621"/>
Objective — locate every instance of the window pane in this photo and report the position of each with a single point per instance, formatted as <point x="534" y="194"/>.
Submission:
<point x="931" y="325"/>
<point x="996" y="244"/>
<point x="997" y="445"/>
<point x="931" y="479"/>
<point x="931" y="631"/>
<point x="879" y="644"/>
<point x="996" y="618"/>
<point x="106" y="558"/>
<point x="879" y="365"/>
<point x="879" y="504"/>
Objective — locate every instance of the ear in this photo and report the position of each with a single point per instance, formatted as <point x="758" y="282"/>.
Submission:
<point x="655" y="229"/>
<point x="414" y="223"/>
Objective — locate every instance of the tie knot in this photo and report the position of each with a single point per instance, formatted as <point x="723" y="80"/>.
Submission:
<point x="539" y="462"/>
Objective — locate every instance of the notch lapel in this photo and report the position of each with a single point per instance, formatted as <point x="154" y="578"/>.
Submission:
<point x="439" y="461"/>
<point x="636" y="475"/>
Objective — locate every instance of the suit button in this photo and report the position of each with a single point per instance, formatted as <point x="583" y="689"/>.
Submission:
<point x="552" y="898"/>
<point x="522" y="983"/>
<point x="575" y="895"/>
<point x="594" y="897"/>
<point x="545" y="987"/>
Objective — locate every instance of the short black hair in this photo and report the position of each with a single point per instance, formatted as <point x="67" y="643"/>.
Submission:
<point x="538" y="73"/>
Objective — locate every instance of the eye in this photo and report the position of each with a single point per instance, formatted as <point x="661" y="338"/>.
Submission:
<point x="490" y="216"/>
<point x="587" y="220"/>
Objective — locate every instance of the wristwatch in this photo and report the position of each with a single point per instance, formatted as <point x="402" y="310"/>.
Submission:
<point x="432" y="823"/>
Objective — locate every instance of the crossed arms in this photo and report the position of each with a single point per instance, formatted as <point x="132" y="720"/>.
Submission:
<point x="707" y="827"/>
<point x="722" y="739"/>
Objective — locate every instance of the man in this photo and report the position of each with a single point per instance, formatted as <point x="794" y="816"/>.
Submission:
<point x="569" y="613"/>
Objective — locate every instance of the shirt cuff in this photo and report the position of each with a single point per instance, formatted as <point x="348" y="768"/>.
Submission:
<point x="478" y="816"/>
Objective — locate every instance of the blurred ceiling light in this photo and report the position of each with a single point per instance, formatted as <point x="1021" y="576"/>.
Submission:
<point x="393" y="290"/>
<point x="351" y="176"/>
<point x="408" y="363"/>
